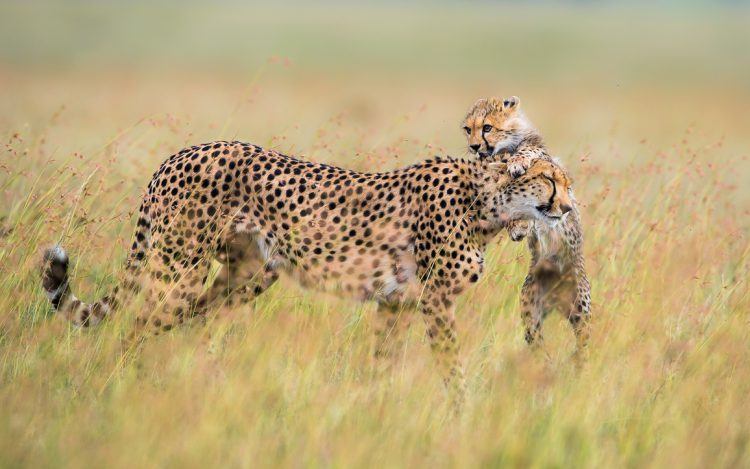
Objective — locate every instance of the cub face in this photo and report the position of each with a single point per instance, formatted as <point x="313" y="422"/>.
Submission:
<point x="543" y="194"/>
<point x="494" y="125"/>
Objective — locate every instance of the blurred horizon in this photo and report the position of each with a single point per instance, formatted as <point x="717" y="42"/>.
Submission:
<point x="593" y="77"/>
<point x="589" y="76"/>
<point x="532" y="42"/>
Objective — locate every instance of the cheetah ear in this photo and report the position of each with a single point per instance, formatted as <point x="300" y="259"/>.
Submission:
<point x="540" y="167"/>
<point x="511" y="104"/>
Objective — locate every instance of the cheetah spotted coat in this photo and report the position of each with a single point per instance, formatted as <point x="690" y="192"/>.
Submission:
<point x="409" y="238"/>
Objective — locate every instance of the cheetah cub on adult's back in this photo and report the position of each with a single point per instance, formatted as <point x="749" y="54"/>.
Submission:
<point x="497" y="130"/>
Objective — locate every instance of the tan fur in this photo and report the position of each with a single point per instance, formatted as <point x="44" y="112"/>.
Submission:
<point x="497" y="130"/>
<point x="410" y="239"/>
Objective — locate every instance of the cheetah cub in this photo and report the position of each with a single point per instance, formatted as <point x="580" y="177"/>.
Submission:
<point x="497" y="129"/>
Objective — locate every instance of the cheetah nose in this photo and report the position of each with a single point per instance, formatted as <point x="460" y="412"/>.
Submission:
<point x="474" y="148"/>
<point x="565" y="208"/>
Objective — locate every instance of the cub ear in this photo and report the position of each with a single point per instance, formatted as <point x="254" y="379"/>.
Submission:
<point x="511" y="104"/>
<point x="539" y="167"/>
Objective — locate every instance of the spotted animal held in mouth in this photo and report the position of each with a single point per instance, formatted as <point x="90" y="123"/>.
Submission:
<point x="497" y="130"/>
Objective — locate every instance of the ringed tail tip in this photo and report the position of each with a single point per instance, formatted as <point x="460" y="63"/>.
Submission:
<point x="55" y="273"/>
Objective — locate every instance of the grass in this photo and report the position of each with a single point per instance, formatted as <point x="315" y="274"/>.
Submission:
<point x="660" y="162"/>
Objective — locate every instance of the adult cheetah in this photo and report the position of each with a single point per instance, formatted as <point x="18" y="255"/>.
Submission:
<point x="411" y="238"/>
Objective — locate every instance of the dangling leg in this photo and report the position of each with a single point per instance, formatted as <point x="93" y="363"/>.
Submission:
<point x="532" y="311"/>
<point x="579" y="316"/>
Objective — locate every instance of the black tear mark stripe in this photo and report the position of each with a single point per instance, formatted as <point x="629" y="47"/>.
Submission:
<point x="554" y="192"/>
<point x="486" y="143"/>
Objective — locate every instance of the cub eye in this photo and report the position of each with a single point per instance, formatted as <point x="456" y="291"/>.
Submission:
<point x="467" y="130"/>
<point x="487" y="128"/>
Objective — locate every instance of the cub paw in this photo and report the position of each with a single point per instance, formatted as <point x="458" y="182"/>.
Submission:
<point x="517" y="168"/>
<point x="518" y="229"/>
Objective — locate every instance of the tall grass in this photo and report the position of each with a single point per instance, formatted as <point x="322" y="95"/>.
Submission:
<point x="660" y="173"/>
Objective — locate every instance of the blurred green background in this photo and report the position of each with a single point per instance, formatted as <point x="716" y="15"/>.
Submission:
<point x="589" y="74"/>
<point x="558" y="43"/>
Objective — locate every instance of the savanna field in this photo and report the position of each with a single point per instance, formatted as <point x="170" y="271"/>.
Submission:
<point x="647" y="108"/>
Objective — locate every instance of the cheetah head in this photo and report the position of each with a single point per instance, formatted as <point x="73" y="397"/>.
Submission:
<point x="495" y="125"/>
<point x="543" y="193"/>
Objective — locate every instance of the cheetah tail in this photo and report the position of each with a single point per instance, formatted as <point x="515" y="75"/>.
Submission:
<point x="56" y="283"/>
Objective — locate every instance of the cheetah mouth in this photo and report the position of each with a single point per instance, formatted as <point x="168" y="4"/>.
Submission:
<point x="544" y="210"/>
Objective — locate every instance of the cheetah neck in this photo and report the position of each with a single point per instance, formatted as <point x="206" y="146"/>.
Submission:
<point x="487" y="182"/>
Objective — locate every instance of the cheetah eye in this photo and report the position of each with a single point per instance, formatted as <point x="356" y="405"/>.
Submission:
<point x="487" y="128"/>
<point x="467" y="130"/>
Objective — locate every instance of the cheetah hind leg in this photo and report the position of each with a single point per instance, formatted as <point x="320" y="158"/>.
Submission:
<point x="170" y="298"/>
<point x="437" y="310"/>
<point x="391" y="323"/>
<point x="243" y="276"/>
